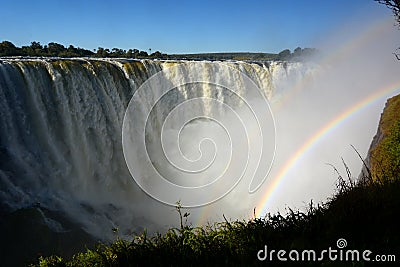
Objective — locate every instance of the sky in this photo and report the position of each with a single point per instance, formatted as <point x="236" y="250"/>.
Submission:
<point x="181" y="26"/>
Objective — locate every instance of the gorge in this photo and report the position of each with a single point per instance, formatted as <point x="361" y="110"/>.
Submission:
<point x="63" y="161"/>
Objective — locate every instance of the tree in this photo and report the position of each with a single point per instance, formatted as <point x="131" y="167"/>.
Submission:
<point x="129" y="53"/>
<point x="101" y="52"/>
<point x="55" y="49"/>
<point x="35" y="49"/>
<point x="72" y="49"/>
<point x="8" y="49"/>
<point x="284" y="54"/>
<point x="36" y="45"/>
<point x="157" y="54"/>
<point x="117" y="52"/>
<point x="394" y="5"/>
<point x="142" y="54"/>
<point x="297" y="51"/>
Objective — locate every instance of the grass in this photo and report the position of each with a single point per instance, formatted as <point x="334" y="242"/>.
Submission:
<point x="385" y="155"/>
<point x="364" y="214"/>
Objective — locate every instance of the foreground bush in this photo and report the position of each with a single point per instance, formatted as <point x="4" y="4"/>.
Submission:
<point x="365" y="215"/>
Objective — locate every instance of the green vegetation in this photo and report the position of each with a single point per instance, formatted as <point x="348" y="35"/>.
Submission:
<point x="36" y="49"/>
<point x="385" y="155"/>
<point x="57" y="50"/>
<point x="226" y="56"/>
<point x="297" y="55"/>
<point x="364" y="214"/>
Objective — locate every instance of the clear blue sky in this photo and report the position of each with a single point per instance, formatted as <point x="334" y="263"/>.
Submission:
<point x="181" y="26"/>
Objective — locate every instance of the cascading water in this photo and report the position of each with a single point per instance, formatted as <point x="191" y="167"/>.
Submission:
<point x="62" y="122"/>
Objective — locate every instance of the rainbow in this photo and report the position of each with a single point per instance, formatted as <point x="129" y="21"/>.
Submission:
<point x="313" y="140"/>
<point x="369" y="33"/>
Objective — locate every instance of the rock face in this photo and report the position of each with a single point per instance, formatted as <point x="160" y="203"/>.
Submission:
<point x="383" y="158"/>
<point x="34" y="231"/>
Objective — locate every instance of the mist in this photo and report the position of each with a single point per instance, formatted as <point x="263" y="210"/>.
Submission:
<point x="303" y="100"/>
<point x="358" y="60"/>
<point x="202" y="134"/>
<point x="355" y="64"/>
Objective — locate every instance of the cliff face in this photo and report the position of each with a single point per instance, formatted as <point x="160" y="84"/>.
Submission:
<point x="383" y="157"/>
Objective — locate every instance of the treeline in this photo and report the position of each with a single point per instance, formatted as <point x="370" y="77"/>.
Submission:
<point x="298" y="54"/>
<point x="36" y="49"/>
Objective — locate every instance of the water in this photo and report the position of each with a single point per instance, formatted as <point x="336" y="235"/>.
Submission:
<point x="61" y="135"/>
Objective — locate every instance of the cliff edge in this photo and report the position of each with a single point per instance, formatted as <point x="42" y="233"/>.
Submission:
<point x="383" y="158"/>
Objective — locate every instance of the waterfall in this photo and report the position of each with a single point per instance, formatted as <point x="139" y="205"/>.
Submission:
<point x="62" y="125"/>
